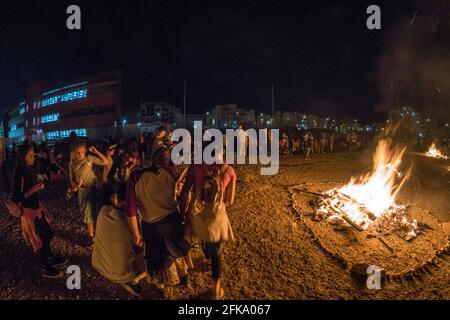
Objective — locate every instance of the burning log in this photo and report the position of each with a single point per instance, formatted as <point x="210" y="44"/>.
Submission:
<point x="314" y="193"/>
<point x="350" y="221"/>
<point x="364" y="201"/>
<point x="433" y="152"/>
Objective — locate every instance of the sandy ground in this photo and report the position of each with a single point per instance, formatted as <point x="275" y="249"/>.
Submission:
<point x="274" y="257"/>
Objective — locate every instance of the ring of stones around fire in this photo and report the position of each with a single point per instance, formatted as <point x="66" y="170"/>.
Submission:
<point x="417" y="272"/>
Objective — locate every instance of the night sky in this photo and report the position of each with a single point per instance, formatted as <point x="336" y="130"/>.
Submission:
<point x="319" y="54"/>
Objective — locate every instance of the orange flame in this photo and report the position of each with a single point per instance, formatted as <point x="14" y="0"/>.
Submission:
<point x="435" y="153"/>
<point x="377" y="190"/>
<point x="374" y="193"/>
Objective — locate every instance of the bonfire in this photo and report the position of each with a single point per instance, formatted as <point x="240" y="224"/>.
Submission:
<point x="370" y="200"/>
<point x="433" y="152"/>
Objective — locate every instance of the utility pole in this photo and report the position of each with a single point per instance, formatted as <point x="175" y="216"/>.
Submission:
<point x="184" y="105"/>
<point x="273" y="100"/>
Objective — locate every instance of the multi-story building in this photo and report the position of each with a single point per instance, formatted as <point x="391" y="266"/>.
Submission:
<point x="90" y="106"/>
<point x="350" y="126"/>
<point x="230" y="116"/>
<point x="159" y="112"/>
<point x="156" y="114"/>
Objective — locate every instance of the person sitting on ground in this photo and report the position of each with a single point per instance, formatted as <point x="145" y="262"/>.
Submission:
<point x="113" y="254"/>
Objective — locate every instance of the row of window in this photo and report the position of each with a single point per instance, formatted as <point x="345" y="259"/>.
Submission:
<point x="78" y="94"/>
<point x="50" y="118"/>
<point x="66" y="133"/>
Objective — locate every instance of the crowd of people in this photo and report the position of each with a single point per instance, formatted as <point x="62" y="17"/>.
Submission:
<point x="307" y="143"/>
<point x="133" y="201"/>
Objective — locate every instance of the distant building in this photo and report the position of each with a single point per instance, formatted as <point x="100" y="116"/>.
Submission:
<point x="156" y="114"/>
<point x="190" y="118"/>
<point x="230" y="116"/>
<point x="90" y="106"/>
<point x="350" y="126"/>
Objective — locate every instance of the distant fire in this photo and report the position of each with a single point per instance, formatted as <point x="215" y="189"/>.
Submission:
<point x="365" y="200"/>
<point x="435" y="153"/>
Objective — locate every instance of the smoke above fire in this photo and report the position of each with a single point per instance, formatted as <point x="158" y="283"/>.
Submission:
<point x="414" y="69"/>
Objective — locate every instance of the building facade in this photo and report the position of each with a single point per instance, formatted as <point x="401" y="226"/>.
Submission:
<point x="230" y="116"/>
<point x="90" y="106"/>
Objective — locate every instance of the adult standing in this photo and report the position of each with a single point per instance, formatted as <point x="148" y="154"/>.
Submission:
<point x="151" y="191"/>
<point x="26" y="190"/>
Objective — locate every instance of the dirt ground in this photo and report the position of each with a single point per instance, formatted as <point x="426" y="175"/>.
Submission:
<point x="274" y="257"/>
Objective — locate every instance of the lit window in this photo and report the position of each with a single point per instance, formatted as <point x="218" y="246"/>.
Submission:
<point x="13" y="127"/>
<point x="50" y="118"/>
<point x="22" y="111"/>
<point x="78" y="94"/>
<point x="66" y="133"/>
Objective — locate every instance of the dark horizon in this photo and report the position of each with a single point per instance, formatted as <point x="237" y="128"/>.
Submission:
<point x="320" y="57"/>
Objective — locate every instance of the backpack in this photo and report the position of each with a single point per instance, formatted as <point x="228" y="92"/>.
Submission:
<point x="208" y="201"/>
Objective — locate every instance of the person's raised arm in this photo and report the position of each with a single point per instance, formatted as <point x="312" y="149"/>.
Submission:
<point x="101" y="156"/>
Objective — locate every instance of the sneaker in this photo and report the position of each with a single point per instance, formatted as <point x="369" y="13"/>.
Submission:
<point x="51" y="273"/>
<point x="58" y="262"/>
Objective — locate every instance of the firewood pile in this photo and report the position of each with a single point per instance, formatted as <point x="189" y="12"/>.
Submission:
<point x="420" y="240"/>
<point x="397" y="223"/>
<point x="333" y="206"/>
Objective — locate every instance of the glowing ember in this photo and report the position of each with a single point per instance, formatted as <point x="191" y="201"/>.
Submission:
<point x="364" y="200"/>
<point x="435" y="153"/>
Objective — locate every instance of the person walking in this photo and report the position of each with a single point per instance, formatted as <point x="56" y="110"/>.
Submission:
<point x="213" y="187"/>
